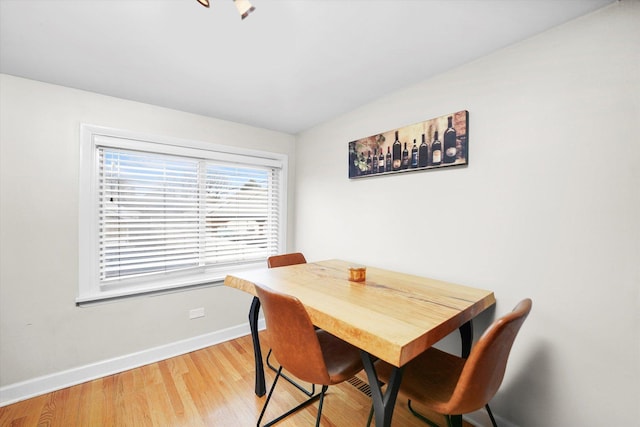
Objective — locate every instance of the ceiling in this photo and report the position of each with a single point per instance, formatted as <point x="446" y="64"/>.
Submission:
<point x="289" y="66"/>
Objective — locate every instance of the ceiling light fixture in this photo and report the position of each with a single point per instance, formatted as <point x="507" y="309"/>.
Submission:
<point x="244" y="7"/>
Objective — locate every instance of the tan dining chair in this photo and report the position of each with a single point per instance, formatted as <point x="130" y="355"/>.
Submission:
<point x="284" y="260"/>
<point x="312" y="355"/>
<point x="451" y="385"/>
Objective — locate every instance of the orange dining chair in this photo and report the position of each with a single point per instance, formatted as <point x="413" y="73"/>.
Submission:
<point x="452" y="385"/>
<point x="310" y="354"/>
<point x="284" y="260"/>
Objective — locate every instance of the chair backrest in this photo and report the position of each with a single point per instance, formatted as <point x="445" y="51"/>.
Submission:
<point x="292" y="336"/>
<point x="484" y="369"/>
<point x="286" y="259"/>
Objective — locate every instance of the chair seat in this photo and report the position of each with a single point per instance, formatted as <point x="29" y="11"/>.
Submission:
<point x="453" y="385"/>
<point x="342" y="359"/>
<point x="430" y="378"/>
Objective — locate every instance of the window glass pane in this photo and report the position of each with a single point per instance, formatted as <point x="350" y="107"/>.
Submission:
<point x="241" y="213"/>
<point x="148" y="214"/>
<point x="161" y="213"/>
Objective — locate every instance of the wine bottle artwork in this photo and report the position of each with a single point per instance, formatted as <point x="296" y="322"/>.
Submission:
<point x="450" y="142"/>
<point x="433" y="144"/>
<point x="405" y="157"/>
<point x="423" y="153"/>
<point x="397" y="159"/>
<point x="414" y="155"/>
<point x="375" y="161"/>
<point x="388" y="164"/>
<point x="436" y="151"/>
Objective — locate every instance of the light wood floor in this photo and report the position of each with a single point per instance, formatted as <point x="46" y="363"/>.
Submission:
<point x="209" y="387"/>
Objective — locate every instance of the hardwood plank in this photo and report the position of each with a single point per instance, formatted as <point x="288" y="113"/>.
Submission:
<point x="209" y="387"/>
<point x="105" y="413"/>
<point x="70" y="404"/>
<point x="86" y="404"/>
<point x="171" y="389"/>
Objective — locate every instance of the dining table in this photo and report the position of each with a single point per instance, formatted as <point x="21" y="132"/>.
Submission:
<point x="388" y="315"/>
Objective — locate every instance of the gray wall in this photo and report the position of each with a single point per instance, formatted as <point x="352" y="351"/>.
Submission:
<point x="548" y="208"/>
<point x="42" y="332"/>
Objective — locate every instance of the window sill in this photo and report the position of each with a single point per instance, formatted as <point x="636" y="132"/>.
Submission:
<point x="159" y="286"/>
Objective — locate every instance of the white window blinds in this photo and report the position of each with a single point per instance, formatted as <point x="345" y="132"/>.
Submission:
<point x="162" y="213"/>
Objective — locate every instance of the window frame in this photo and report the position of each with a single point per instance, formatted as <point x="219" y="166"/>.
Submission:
<point x="91" y="138"/>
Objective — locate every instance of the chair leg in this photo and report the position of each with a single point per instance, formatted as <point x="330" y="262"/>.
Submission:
<point x="493" y="420"/>
<point x="298" y="386"/>
<point x="422" y="417"/>
<point x="324" y="390"/>
<point x="454" y="420"/>
<point x="266" y="402"/>
<point x="291" y="411"/>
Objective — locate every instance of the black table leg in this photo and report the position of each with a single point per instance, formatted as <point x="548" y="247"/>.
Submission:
<point x="466" y="335"/>
<point x="383" y="405"/>
<point x="257" y="352"/>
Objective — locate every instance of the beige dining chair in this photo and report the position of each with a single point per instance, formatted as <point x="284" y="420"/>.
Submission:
<point x="312" y="355"/>
<point x="451" y="385"/>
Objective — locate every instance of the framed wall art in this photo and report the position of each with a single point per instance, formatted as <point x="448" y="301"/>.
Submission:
<point x="435" y="143"/>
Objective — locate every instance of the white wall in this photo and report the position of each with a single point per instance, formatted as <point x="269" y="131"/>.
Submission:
<point x="548" y="208"/>
<point x="42" y="332"/>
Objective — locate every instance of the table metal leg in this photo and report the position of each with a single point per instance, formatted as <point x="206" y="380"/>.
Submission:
<point x="466" y="335"/>
<point x="260" y="388"/>
<point x="383" y="405"/>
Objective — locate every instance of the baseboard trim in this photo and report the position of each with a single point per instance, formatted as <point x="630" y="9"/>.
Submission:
<point x="16" y="392"/>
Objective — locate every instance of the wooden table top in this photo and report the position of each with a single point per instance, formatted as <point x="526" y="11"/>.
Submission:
<point x="391" y="315"/>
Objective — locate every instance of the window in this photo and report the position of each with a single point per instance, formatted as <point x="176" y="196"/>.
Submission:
<point x="158" y="213"/>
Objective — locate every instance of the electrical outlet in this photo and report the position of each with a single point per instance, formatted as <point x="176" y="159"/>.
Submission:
<point x="196" y="312"/>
